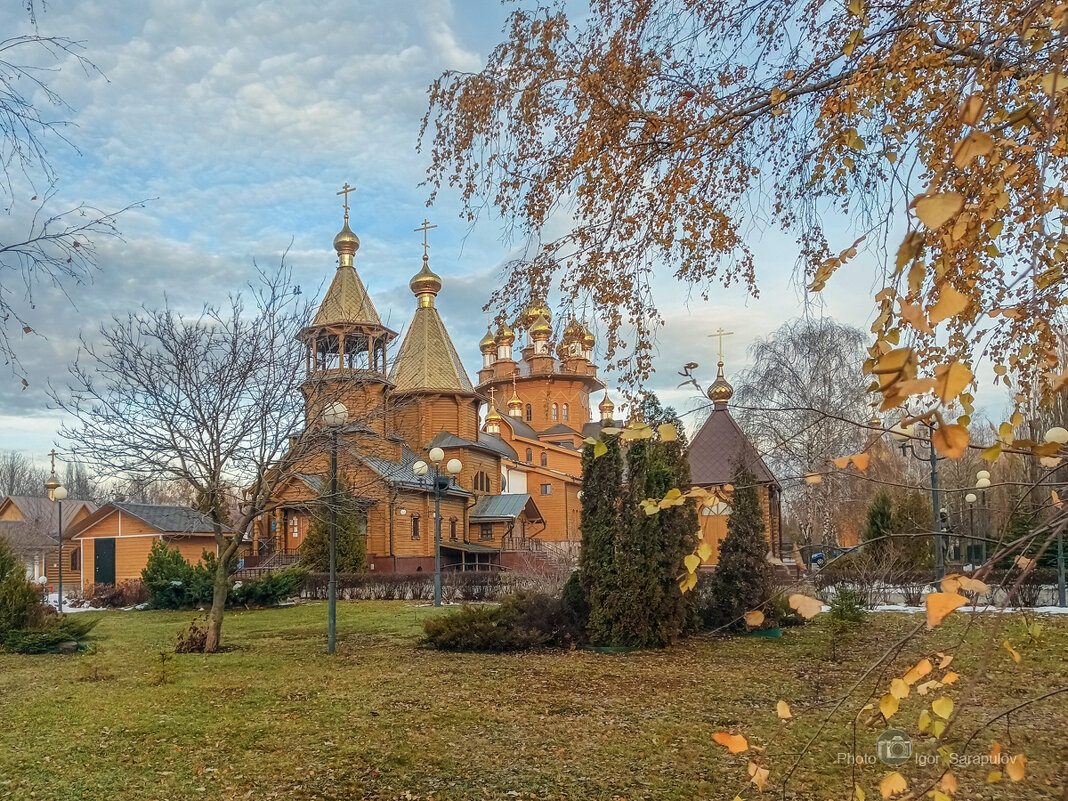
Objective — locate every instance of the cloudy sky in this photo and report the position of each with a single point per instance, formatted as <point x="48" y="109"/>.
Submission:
<point x="237" y="122"/>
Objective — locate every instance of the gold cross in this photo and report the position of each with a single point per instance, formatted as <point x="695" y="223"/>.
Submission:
<point x="345" y="191"/>
<point x="53" y="454"/>
<point x="424" y="228"/>
<point x="493" y="403"/>
<point x="721" y="333"/>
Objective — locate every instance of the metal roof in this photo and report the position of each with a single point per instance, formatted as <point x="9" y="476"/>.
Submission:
<point x="427" y="359"/>
<point x="719" y="448"/>
<point x="346" y="301"/>
<point x="504" y="507"/>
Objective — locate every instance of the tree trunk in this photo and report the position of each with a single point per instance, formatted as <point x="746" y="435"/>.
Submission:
<point x="218" y="603"/>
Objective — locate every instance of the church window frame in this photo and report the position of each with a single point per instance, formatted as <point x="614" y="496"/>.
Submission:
<point x="452" y="529"/>
<point x="544" y="459"/>
<point x="415" y="528"/>
<point x="530" y="455"/>
<point x="565" y="413"/>
<point x="556" y="412"/>
<point x="530" y="413"/>
<point x="485" y="531"/>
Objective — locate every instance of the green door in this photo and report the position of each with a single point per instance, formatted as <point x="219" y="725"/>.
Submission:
<point x="104" y="561"/>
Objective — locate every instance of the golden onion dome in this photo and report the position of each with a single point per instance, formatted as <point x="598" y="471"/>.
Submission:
<point x="505" y="334"/>
<point x="588" y="339"/>
<point x="541" y="328"/>
<point x="721" y="391"/>
<point x="532" y="312"/>
<point x="515" y="401"/>
<point x="487" y="344"/>
<point x="346" y="241"/>
<point x="493" y="415"/>
<point x="574" y="332"/>
<point x="425" y="282"/>
<point x="606" y="405"/>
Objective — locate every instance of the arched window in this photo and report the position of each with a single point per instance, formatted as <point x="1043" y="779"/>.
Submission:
<point x="530" y="452"/>
<point x="415" y="527"/>
<point x="556" y="412"/>
<point x="76" y="559"/>
<point x="530" y="412"/>
<point x="565" y="412"/>
<point x="544" y="459"/>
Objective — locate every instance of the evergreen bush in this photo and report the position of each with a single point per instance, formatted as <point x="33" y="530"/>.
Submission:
<point x="268" y="590"/>
<point x="743" y="578"/>
<point x="351" y="533"/>
<point x="523" y="621"/>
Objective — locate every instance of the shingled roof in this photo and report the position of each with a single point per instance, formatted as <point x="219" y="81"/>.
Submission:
<point x="346" y="301"/>
<point x="164" y="518"/>
<point x="427" y="359"/>
<point x="40" y="520"/>
<point x="719" y="448"/>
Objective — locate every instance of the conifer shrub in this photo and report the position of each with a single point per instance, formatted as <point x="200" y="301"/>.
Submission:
<point x="743" y="578"/>
<point x="351" y="533"/>
<point x="47" y="637"/>
<point x="522" y="622"/>
<point x="270" y="589"/>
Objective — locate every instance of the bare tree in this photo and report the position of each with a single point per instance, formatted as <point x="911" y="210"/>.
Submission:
<point x="801" y="404"/>
<point x="50" y="243"/>
<point x="19" y="475"/>
<point x="214" y="402"/>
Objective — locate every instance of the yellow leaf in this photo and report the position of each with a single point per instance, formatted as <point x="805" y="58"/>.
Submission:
<point x="935" y="211"/>
<point x="858" y="794"/>
<point x="704" y="550"/>
<point x="925" y="720"/>
<point x="975" y="144"/>
<point x="899" y="688"/>
<point x="600" y="448"/>
<point x="951" y="440"/>
<point x="945" y="660"/>
<point x="813" y="478"/>
<point x="950" y="678"/>
<point x="805" y="606"/>
<point x="927" y="686"/>
<point x="923" y="667"/>
<point x="692" y="562"/>
<point x="888" y="706"/>
<point x="950" y="304"/>
<point x="892" y="784"/>
<point x="938" y="795"/>
<point x="842" y="462"/>
<point x="667" y="432"/>
<point x="972" y="110"/>
<point x="993" y="777"/>
<point x="758" y="775"/>
<point x="754" y="618"/>
<point x="943" y="707"/>
<point x="937" y="727"/>
<point x="992" y="453"/>
<point x="856" y="8"/>
<point x="860" y="461"/>
<point x="910" y="248"/>
<point x="735" y="743"/>
<point x="1012" y="651"/>
<point x="687" y="581"/>
<point x="940" y="604"/>
<point x="1015" y="767"/>
<point x="951" y="380"/>
<point x="951" y="582"/>
<point x="783" y="710"/>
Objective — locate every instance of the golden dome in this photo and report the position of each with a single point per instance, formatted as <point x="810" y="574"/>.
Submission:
<point x="588" y="339"/>
<point x="720" y="391"/>
<point x="425" y="282"/>
<point x="606" y="405"/>
<point x="487" y="344"/>
<point x="532" y="312"/>
<point x="346" y="241"/>
<point x="505" y="334"/>
<point x="515" y="402"/>
<point x="573" y="333"/>
<point x="541" y="328"/>
<point x="493" y="415"/>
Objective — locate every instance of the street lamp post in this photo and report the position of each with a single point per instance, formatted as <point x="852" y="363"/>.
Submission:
<point x="57" y="493"/>
<point x="441" y="484"/>
<point x="334" y="417"/>
<point x="904" y="436"/>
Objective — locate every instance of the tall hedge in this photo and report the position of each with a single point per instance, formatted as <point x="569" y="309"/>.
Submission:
<point x="602" y="485"/>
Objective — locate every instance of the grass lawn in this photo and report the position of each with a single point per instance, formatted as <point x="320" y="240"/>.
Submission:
<point x="274" y="717"/>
